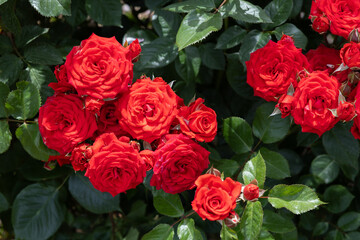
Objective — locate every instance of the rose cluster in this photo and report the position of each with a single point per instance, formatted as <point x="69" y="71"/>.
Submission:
<point x="116" y="130"/>
<point x="318" y="89"/>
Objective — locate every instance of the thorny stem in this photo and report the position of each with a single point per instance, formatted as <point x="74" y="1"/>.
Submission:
<point x="182" y="218"/>
<point x="217" y="9"/>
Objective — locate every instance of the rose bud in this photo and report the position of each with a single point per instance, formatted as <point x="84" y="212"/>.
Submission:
<point x="321" y="24"/>
<point x="354" y="35"/>
<point x="232" y="220"/>
<point x="284" y="104"/>
<point x="213" y="171"/>
<point x="135" y="145"/>
<point x="251" y="192"/>
<point x="345" y="111"/>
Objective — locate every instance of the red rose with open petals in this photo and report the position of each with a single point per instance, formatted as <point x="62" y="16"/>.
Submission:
<point x="215" y="199"/>
<point x="79" y="157"/>
<point x="198" y="121"/>
<point x="115" y="166"/>
<point x="346" y="111"/>
<point x="272" y="69"/>
<point x="178" y="163"/>
<point x="62" y="85"/>
<point x="350" y="55"/>
<point x="148" y="109"/>
<point x="100" y="67"/>
<point x="313" y="98"/>
<point x="63" y="122"/>
<point x="149" y="158"/>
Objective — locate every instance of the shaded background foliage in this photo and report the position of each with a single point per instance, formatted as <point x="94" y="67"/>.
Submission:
<point x="32" y="44"/>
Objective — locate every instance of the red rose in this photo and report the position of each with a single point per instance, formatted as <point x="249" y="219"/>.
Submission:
<point x="134" y="50"/>
<point x="313" y="98"/>
<point x="272" y="69"/>
<point x="345" y="111"/>
<point x="115" y="166"/>
<point x="79" y="157"/>
<point x="251" y="192"/>
<point x="178" y="163"/>
<point x="344" y="15"/>
<point x="100" y="67"/>
<point x="315" y="11"/>
<point x="215" y="199"/>
<point x="149" y="158"/>
<point x="285" y="105"/>
<point x="320" y="24"/>
<point x="350" y="55"/>
<point x="63" y="122"/>
<point x="93" y="105"/>
<point x="198" y="121"/>
<point x="63" y="84"/>
<point x="148" y="109"/>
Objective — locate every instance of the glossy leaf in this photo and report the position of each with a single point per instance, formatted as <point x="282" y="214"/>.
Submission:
<point x="251" y="220"/>
<point x="274" y="222"/>
<point x="28" y="34"/>
<point x="186" y="229"/>
<point x="296" y="198"/>
<point x="190" y="5"/>
<point x="277" y="166"/>
<point x="31" y="140"/>
<point x="160" y="232"/>
<point x="350" y="221"/>
<point x="196" y="26"/>
<point x="168" y="204"/>
<point x="5" y="45"/>
<point x="269" y="129"/>
<point x="108" y="13"/>
<point x="289" y="29"/>
<point x="227" y="166"/>
<point x="10" y="67"/>
<point x="4" y="92"/>
<point x="52" y="8"/>
<point x="255" y="168"/>
<point x="44" y="54"/>
<point x="237" y="133"/>
<point x="37" y="212"/>
<point x="9" y="20"/>
<point x="5" y="136"/>
<point x="90" y="198"/>
<point x="4" y="204"/>
<point x="338" y="198"/>
<point x="24" y="102"/>
<point x="228" y="233"/>
<point x="231" y="37"/>
<point x="320" y="228"/>
<point x="211" y="57"/>
<point x="325" y="168"/>
<point x="166" y="23"/>
<point x="279" y="11"/>
<point x="188" y="64"/>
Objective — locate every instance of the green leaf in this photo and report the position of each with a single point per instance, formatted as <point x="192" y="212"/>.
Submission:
<point x="269" y="129"/>
<point x="334" y="235"/>
<point x="296" y="8"/>
<point x="4" y="92"/>
<point x="24" y="102"/>
<point x="296" y="198"/>
<point x="320" y="228"/>
<point x="325" y="168"/>
<point x="186" y="229"/>
<point x="190" y="5"/>
<point x="251" y="42"/>
<point x="289" y="29"/>
<point x="90" y="198"/>
<point x="44" y="54"/>
<point x="108" y="13"/>
<point x="188" y="64"/>
<point x="159" y="53"/>
<point x="227" y="166"/>
<point x="146" y="35"/>
<point x="277" y="166"/>
<point x="244" y="11"/>
<point x="251" y="220"/>
<point x="274" y="222"/>
<point x="3" y="1"/>
<point x="338" y="198"/>
<point x="279" y="11"/>
<point x="37" y="212"/>
<point x="168" y="204"/>
<point x="160" y="232"/>
<point x="9" y="20"/>
<point x="52" y="8"/>
<point x="305" y="139"/>
<point x="5" y="136"/>
<point x="211" y="57"/>
<point x="10" y="67"/>
<point x="166" y="23"/>
<point x="4" y="204"/>
<point x="350" y="221"/>
<point x="155" y="4"/>
<point x="133" y="234"/>
<point x="5" y="45"/>
<point x="265" y="235"/>
<point x="237" y="133"/>
<point x="341" y="145"/>
<point x="255" y="168"/>
<point x="78" y="13"/>
<point x="28" y="34"/>
<point x="228" y="233"/>
<point x="232" y="37"/>
<point x="353" y="235"/>
<point x="196" y="26"/>
<point x="31" y="140"/>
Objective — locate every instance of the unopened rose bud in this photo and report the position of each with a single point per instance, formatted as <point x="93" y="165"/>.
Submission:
<point x="251" y="192"/>
<point x="354" y="77"/>
<point x="50" y="165"/>
<point x="214" y="172"/>
<point x="345" y="89"/>
<point x="354" y="35"/>
<point x="346" y="111"/>
<point x="135" y="145"/>
<point x="321" y="24"/>
<point x="232" y="220"/>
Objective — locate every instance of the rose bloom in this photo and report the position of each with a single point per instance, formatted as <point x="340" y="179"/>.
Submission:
<point x="93" y="105"/>
<point x="215" y="199"/>
<point x="149" y="158"/>
<point x="63" y="122"/>
<point x="198" y="121"/>
<point x="344" y="15"/>
<point x="62" y="85"/>
<point x="148" y="109"/>
<point x="272" y="69"/>
<point x="178" y="163"/>
<point x="313" y="98"/>
<point x="115" y="166"/>
<point x="80" y="156"/>
<point x="251" y="192"/>
<point x="345" y="111"/>
<point x="285" y="105"/>
<point x="320" y="24"/>
<point x="350" y="55"/>
<point x="100" y="67"/>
